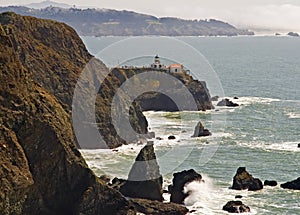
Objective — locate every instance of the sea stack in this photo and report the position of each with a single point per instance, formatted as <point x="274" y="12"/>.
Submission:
<point x="245" y="181"/>
<point x="144" y="179"/>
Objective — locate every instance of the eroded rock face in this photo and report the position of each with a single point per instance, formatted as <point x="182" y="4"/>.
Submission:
<point x="41" y="170"/>
<point x="200" y="131"/>
<point x="236" y="207"/>
<point x="144" y="179"/>
<point x="56" y="57"/>
<point x="293" y="185"/>
<point x="243" y="180"/>
<point x="174" y="86"/>
<point x="15" y="176"/>
<point x="180" y="179"/>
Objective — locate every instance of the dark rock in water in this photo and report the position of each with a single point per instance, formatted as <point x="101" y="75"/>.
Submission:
<point x="238" y="196"/>
<point x="226" y="102"/>
<point x="235" y="97"/>
<point x="159" y="138"/>
<point x="243" y="180"/>
<point x="158" y="208"/>
<point x="171" y="137"/>
<point x="298" y="145"/>
<point x="165" y="191"/>
<point x="293" y="185"/>
<point x="215" y="98"/>
<point x="144" y="179"/>
<point x="270" y="183"/>
<point x="200" y="131"/>
<point x="293" y="34"/>
<point x="179" y="180"/>
<point x="236" y="207"/>
<point x="277" y="34"/>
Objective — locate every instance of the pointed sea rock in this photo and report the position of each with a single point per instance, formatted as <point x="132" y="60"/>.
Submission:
<point x="243" y="180"/>
<point x="144" y="179"/>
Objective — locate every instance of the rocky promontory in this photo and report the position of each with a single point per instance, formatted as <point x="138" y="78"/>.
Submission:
<point x="173" y="88"/>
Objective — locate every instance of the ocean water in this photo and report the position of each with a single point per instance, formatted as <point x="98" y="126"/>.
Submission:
<point x="262" y="134"/>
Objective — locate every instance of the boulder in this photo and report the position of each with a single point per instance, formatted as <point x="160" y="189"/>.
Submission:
<point x="226" y="102"/>
<point x="238" y="196"/>
<point x="298" y="145"/>
<point x="243" y="180"/>
<point x="293" y="34"/>
<point x="172" y="137"/>
<point x="144" y="179"/>
<point x="215" y="98"/>
<point x="179" y="181"/>
<point x="270" y="183"/>
<point x="200" y="131"/>
<point x="293" y="185"/>
<point x="158" y="208"/>
<point x="236" y="207"/>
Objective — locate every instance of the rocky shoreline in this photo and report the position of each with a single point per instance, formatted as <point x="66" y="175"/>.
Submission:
<point x="42" y="171"/>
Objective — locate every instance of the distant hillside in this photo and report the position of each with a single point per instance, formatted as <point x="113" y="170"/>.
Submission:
<point x="47" y="3"/>
<point x="100" y="22"/>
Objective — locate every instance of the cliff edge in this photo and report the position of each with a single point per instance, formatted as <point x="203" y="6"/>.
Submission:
<point x="41" y="170"/>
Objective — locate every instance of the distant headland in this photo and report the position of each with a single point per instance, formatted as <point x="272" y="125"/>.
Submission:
<point x="106" y="22"/>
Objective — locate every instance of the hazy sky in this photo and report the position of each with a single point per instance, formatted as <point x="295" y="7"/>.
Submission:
<point x="279" y="15"/>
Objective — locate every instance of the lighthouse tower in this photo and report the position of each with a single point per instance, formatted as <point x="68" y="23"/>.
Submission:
<point x="156" y="64"/>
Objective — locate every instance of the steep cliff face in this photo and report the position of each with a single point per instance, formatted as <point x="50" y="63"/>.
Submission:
<point x="172" y="84"/>
<point x="41" y="170"/>
<point x="55" y="57"/>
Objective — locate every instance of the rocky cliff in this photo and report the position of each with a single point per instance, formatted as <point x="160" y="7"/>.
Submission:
<point x="172" y="84"/>
<point x="55" y="57"/>
<point x="41" y="170"/>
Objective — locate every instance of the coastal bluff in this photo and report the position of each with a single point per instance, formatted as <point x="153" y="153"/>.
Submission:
<point x="41" y="170"/>
<point x="55" y="56"/>
<point x="173" y="85"/>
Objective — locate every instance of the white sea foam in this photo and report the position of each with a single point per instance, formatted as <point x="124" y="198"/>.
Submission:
<point x="254" y="100"/>
<point x="293" y="115"/>
<point x="280" y="146"/>
<point x="206" y="198"/>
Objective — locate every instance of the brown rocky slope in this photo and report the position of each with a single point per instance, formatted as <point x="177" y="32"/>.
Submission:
<point x="55" y="56"/>
<point x="41" y="170"/>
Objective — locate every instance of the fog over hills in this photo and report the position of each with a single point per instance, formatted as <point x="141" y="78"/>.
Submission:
<point x="107" y="22"/>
